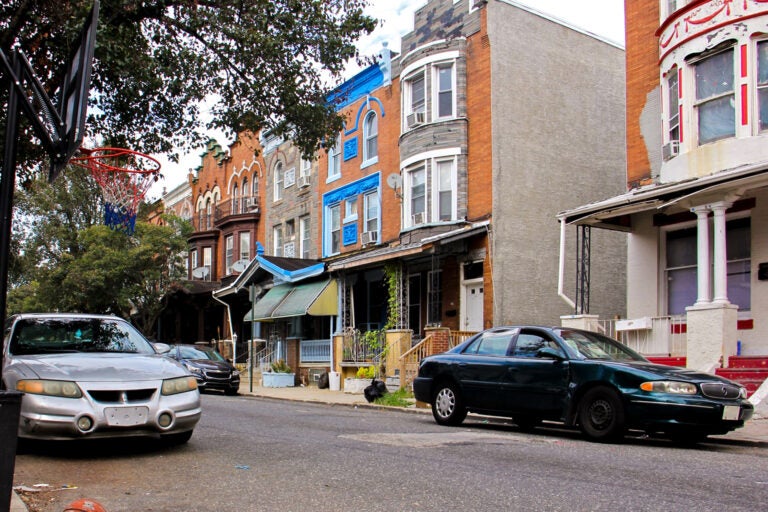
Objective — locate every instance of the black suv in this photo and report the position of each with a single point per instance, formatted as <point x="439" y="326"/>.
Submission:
<point x="208" y="366"/>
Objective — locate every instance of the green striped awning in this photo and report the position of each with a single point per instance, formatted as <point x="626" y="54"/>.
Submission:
<point x="318" y="298"/>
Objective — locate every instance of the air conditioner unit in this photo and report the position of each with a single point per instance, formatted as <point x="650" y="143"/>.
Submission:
<point x="369" y="237"/>
<point x="289" y="250"/>
<point x="415" y="119"/>
<point x="670" y="149"/>
<point x="303" y="181"/>
<point x="417" y="218"/>
<point x="252" y="203"/>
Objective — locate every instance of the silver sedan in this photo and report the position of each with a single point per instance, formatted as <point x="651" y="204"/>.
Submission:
<point x="92" y="376"/>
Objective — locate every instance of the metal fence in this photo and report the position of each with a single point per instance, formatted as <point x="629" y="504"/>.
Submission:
<point x="315" y="351"/>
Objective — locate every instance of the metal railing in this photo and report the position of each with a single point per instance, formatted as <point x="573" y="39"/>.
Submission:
<point x="667" y="335"/>
<point x="361" y="347"/>
<point x="315" y="351"/>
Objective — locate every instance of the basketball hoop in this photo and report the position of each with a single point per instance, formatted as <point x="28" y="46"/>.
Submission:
<point x="125" y="176"/>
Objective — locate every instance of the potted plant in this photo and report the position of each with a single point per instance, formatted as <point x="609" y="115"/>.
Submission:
<point x="363" y="378"/>
<point x="280" y="375"/>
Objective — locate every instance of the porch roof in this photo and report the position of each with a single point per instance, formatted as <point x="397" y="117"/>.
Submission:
<point x="614" y="212"/>
<point x="393" y="252"/>
<point x="318" y="298"/>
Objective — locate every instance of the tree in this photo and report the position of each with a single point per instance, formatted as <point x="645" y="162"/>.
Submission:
<point x="270" y="64"/>
<point x="69" y="261"/>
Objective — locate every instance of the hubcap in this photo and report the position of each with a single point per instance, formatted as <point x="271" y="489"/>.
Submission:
<point x="445" y="402"/>
<point x="600" y="414"/>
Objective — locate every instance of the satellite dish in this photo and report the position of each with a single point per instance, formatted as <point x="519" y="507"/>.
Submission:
<point x="240" y="265"/>
<point x="200" y="272"/>
<point x="394" y="181"/>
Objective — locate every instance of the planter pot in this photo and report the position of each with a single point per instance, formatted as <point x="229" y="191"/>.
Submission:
<point x="352" y="385"/>
<point x="278" y="380"/>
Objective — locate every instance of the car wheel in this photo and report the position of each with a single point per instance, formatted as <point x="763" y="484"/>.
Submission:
<point x="601" y="415"/>
<point x="447" y="405"/>
<point x="526" y="423"/>
<point x="177" y="438"/>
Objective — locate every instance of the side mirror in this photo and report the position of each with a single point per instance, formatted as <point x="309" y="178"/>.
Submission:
<point x="550" y="353"/>
<point x="162" y="348"/>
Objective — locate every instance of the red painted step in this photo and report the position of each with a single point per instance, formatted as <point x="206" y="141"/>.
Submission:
<point x="748" y="362"/>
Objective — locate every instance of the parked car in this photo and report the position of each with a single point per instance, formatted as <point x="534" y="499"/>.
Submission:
<point x="95" y="376"/>
<point x="208" y="366"/>
<point x="579" y="378"/>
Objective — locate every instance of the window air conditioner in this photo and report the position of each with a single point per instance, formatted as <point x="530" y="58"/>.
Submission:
<point x="369" y="237"/>
<point x="303" y="181"/>
<point x="415" y="119"/>
<point x="252" y="203"/>
<point x="289" y="250"/>
<point x="671" y="149"/>
<point x="417" y="218"/>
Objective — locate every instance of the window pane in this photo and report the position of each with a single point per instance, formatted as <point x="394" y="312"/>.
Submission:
<point x="445" y="91"/>
<point x="739" y="290"/>
<point x="673" y="110"/>
<point x="714" y="76"/>
<point x="245" y="246"/>
<point x="417" y="93"/>
<point x="717" y="119"/>
<point x="371" y="136"/>
<point x="681" y="248"/>
<point x="418" y="190"/>
<point x="681" y="285"/>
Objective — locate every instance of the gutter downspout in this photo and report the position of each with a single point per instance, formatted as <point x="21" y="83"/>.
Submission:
<point x="561" y="268"/>
<point x="232" y="334"/>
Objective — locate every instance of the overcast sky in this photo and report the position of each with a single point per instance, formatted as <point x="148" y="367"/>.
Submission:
<point x="604" y="18"/>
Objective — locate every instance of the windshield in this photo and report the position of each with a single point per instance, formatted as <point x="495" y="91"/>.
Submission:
<point x="52" y="335"/>
<point x="588" y="345"/>
<point x="200" y="353"/>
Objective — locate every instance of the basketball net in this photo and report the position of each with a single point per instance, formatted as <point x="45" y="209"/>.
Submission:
<point x="124" y="176"/>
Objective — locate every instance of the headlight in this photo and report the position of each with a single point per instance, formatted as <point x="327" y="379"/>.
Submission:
<point x="179" y="385"/>
<point x="61" y="388"/>
<point x="193" y="369"/>
<point x="669" y="386"/>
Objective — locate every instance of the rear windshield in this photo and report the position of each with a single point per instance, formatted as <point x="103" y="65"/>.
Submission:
<point x="53" y="335"/>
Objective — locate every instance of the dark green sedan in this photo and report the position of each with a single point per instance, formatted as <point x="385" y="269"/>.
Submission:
<point x="579" y="378"/>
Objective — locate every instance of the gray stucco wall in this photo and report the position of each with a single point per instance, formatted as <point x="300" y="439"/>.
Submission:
<point x="558" y="142"/>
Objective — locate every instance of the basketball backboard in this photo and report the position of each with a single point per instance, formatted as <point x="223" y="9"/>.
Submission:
<point x="73" y="94"/>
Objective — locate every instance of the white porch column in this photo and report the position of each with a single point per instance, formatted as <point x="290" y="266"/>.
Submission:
<point x="704" y="285"/>
<point x="721" y="256"/>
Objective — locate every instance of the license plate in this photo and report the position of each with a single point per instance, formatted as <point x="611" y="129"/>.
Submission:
<point x="731" y="412"/>
<point x="126" y="416"/>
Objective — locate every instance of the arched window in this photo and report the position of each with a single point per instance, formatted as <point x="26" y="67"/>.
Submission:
<point x="370" y="138"/>
<point x="235" y="208"/>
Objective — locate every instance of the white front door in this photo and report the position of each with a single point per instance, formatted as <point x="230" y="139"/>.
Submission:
<point x="473" y="306"/>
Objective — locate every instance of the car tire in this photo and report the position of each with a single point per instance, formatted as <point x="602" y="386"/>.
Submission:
<point x="448" y="406"/>
<point x="177" y="438"/>
<point x="601" y="415"/>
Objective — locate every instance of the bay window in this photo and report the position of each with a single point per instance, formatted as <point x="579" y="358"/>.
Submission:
<point x="715" y="99"/>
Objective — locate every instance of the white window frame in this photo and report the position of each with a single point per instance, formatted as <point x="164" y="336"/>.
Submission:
<point x="437" y="188"/>
<point x="408" y="190"/>
<point x="370" y="137"/>
<point x="698" y="103"/>
<point x="245" y="245"/>
<point x="408" y="88"/>
<point x="368" y="219"/>
<point x="436" y="67"/>
<point x="332" y="224"/>
<point x="334" y="160"/>
<point x="761" y="86"/>
<point x="277" y="241"/>
<point x="278" y="177"/>
<point x="193" y="255"/>
<point x="229" y="253"/>
<point x="304" y="237"/>
<point x="350" y="209"/>
<point x="208" y="260"/>
<point x="306" y="168"/>
<point x="672" y="104"/>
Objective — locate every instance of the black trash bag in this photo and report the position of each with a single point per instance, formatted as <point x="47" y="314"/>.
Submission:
<point x="322" y="381"/>
<point x="377" y="389"/>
